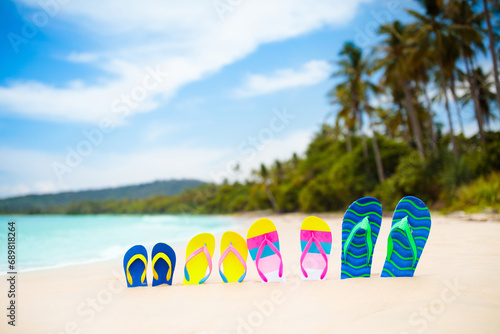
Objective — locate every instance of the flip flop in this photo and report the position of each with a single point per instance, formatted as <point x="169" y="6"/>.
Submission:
<point x="199" y="252"/>
<point x="360" y="229"/>
<point x="135" y="263"/>
<point x="411" y="225"/>
<point x="264" y="246"/>
<point x="316" y="245"/>
<point x="163" y="263"/>
<point x="232" y="263"/>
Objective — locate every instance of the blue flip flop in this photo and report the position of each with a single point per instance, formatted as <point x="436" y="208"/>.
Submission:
<point x="163" y="263"/>
<point x="360" y="229"/>
<point x="411" y="225"/>
<point x="135" y="263"/>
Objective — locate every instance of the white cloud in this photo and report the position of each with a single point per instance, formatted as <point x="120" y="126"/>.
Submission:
<point x="310" y="73"/>
<point x="186" y="39"/>
<point x="82" y="57"/>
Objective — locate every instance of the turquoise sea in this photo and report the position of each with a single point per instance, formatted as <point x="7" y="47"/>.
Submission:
<point x="48" y="241"/>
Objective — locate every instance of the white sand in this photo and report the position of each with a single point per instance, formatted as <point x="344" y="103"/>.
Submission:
<point x="456" y="289"/>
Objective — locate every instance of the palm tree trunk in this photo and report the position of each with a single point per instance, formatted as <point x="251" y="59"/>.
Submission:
<point x="406" y="130"/>
<point x="349" y="141"/>
<point x="378" y="158"/>
<point x="357" y="115"/>
<point x="430" y="118"/>
<point x="413" y="118"/>
<point x="365" y="151"/>
<point x="447" y="107"/>
<point x="475" y="98"/>
<point x="272" y="199"/>
<point x="457" y="107"/>
<point x="492" y="50"/>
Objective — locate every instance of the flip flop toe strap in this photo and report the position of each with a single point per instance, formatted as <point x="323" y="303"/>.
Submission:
<point x="259" y="254"/>
<point x="209" y="261"/>
<point x="404" y="226"/>
<point x="362" y="225"/>
<point x="306" y="250"/>
<point x="169" y="263"/>
<point x="233" y="250"/>
<point x="129" y="263"/>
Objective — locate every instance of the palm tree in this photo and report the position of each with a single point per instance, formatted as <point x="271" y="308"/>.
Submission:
<point x="264" y="176"/>
<point x="467" y="33"/>
<point x="352" y="95"/>
<point x="492" y="50"/>
<point x="432" y="28"/>
<point x="395" y="50"/>
<point x="422" y="65"/>
<point x="376" y="151"/>
<point x="484" y="94"/>
<point x="344" y="121"/>
<point x="352" y="67"/>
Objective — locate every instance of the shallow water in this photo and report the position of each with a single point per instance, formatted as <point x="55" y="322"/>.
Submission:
<point x="45" y="241"/>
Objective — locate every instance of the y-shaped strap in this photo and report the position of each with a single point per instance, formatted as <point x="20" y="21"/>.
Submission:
<point x="230" y="248"/>
<point x="167" y="259"/>
<point x="132" y="259"/>
<point x="362" y="225"/>
<point x="403" y="226"/>
<point x="322" y="252"/>
<point x="209" y="260"/>
<point x="259" y="253"/>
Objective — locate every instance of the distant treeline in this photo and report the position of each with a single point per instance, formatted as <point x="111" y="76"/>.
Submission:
<point x="54" y="202"/>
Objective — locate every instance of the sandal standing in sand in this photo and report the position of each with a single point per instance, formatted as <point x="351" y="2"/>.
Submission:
<point x="360" y="229"/>
<point x="163" y="263"/>
<point x="264" y="246"/>
<point x="316" y="245"/>
<point x="135" y="263"/>
<point x="232" y="263"/>
<point x="199" y="252"/>
<point x="411" y="225"/>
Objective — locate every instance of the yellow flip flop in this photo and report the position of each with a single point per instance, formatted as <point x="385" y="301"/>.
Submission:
<point x="233" y="260"/>
<point x="199" y="252"/>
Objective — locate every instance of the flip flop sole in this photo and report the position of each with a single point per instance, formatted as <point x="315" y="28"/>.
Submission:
<point x="314" y="263"/>
<point x="233" y="268"/>
<point x="134" y="266"/>
<point x="198" y="265"/>
<point x="269" y="262"/>
<point x="399" y="263"/>
<point x="161" y="266"/>
<point x="355" y="263"/>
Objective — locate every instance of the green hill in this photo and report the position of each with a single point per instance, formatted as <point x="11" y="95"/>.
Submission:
<point x="35" y="203"/>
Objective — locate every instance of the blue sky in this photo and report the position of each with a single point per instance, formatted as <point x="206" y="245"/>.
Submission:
<point x="208" y="85"/>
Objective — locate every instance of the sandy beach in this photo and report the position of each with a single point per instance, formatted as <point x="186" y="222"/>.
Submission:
<point x="456" y="289"/>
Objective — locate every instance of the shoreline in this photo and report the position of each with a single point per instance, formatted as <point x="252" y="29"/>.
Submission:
<point x="249" y="217"/>
<point x="462" y="215"/>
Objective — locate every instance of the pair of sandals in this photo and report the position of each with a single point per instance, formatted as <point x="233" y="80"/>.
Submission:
<point x="199" y="252"/>
<point x="232" y="263"/>
<point x="410" y="230"/>
<point x="135" y="263"/>
<point x="411" y="224"/>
